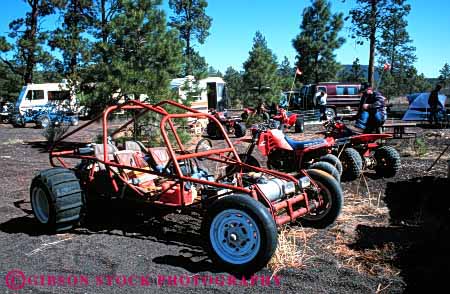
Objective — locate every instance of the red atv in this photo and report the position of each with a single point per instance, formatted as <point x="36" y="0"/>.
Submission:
<point x="241" y="206"/>
<point x="283" y="117"/>
<point x="288" y="155"/>
<point x="362" y="151"/>
<point x="232" y="125"/>
<point x="290" y="119"/>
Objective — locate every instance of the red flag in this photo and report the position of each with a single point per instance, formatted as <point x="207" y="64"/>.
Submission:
<point x="298" y="72"/>
<point x="386" y="66"/>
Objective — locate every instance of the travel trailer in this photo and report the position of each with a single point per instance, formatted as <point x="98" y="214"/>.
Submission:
<point x="211" y="92"/>
<point x="36" y="96"/>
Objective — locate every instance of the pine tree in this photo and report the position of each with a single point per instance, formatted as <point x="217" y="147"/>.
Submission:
<point x="260" y="78"/>
<point x="395" y="47"/>
<point x="355" y="74"/>
<point x="212" y="72"/>
<point x="368" y="18"/>
<point x="317" y="41"/>
<point x="29" y="38"/>
<point x="193" y="24"/>
<point x="141" y="55"/>
<point x="233" y="80"/>
<point x="10" y="83"/>
<point x="444" y="77"/>
<point x="78" y="16"/>
<point x="286" y="73"/>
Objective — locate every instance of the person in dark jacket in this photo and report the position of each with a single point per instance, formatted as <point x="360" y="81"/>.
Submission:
<point x="433" y="101"/>
<point x="372" y="110"/>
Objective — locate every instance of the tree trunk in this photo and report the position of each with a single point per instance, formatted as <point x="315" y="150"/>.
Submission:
<point x="104" y="31"/>
<point x="73" y="55"/>
<point x="31" y="36"/>
<point x="372" y="42"/>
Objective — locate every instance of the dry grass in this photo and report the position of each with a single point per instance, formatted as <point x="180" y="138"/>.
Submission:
<point x="13" y="142"/>
<point x="292" y="250"/>
<point x="362" y="210"/>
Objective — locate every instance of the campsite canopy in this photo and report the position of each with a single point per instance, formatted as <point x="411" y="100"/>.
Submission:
<point x="418" y="106"/>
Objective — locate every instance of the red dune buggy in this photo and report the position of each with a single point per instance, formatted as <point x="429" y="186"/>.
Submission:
<point x="242" y="204"/>
<point x="362" y="151"/>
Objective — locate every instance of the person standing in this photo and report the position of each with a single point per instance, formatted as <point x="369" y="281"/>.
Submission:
<point x="321" y="102"/>
<point x="433" y="102"/>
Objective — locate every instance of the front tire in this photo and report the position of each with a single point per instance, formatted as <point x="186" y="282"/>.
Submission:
<point x="332" y="197"/>
<point x="326" y="167"/>
<point x="352" y="164"/>
<point x="56" y="200"/>
<point x="330" y="113"/>
<point x="241" y="234"/>
<point x="388" y="161"/>
<point x="18" y="121"/>
<point x="334" y="161"/>
<point x="299" y="125"/>
<point x="239" y="130"/>
<point x="213" y="131"/>
<point x="43" y="122"/>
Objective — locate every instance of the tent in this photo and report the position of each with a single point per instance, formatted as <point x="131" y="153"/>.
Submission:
<point x="419" y="109"/>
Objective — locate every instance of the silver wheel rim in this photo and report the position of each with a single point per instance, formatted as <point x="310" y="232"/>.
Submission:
<point x="40" y="205"/>
<point x="329" y="113"/>
<point x="234" y="236"/>
<point x="321" y="211"/>
<point x="44" y="122"/>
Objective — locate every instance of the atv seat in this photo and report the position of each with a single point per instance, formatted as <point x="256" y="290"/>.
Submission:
<point x="99" y="153"/>
<point x="304" y="144"/>
<point x="142" y="180"/>
<point x="136" y="146"/>
<point x="158" y="158"/>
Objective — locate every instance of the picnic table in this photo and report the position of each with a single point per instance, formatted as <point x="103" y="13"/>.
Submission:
<point x="398" y="129"/>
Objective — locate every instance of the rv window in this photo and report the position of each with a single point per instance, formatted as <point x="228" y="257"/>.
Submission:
<point x="339" y="90"/>
<point x="35" y="95"/>
<point x="324" y="89"/>
<point x="352" y="91"/>
<point x="58" y="95"/>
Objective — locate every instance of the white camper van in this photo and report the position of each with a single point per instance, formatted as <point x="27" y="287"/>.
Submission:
<point x="34" y="96"/>
<point x="212" y="92"/>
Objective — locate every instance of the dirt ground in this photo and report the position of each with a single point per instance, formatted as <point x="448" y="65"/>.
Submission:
<point x="391" y="238"/>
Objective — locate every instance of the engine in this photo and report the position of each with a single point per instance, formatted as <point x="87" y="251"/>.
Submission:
<point x="282" y="160"/>
<point x="274" y="189"/>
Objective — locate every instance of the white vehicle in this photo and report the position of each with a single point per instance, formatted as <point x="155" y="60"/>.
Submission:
<point x="35" y="96"/>
<point x="211" y="92"/>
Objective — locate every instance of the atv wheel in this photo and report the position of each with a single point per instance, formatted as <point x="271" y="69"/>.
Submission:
<point x="74" y="121"/>
<point x="330" y="113"/>
<point x="326" y="167"/>
<point x="241" y="234"/>
<point x="249" y="159"/>
<point x="333" y="160"/>
<point x="351" y="164"/>
<point x="18" y="121"/>
<point x="330" y="195"/>
<point x="239" y="130"/>
<point x="388" y="161"/>
<point x="213" y="131"/>
<point x="56" y="200"/>
<point x="299" y="125"/>
<point x="43" y="122"/>
<point x="203" y="145"/>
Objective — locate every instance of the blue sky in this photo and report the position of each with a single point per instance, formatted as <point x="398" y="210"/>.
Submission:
<point x="236" y="21"/>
